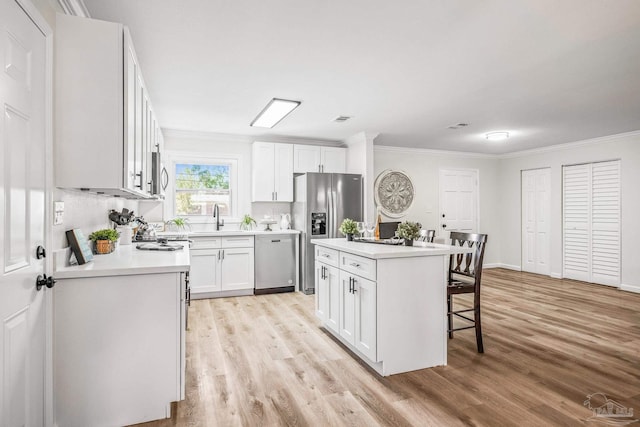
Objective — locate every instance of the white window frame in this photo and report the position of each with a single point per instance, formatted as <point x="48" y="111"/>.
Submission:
<point x="201" y="159"/>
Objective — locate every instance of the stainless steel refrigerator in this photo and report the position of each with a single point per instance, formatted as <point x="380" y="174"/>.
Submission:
<point x="321" y="202"/>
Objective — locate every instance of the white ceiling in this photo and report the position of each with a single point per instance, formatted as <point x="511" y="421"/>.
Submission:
<point x="547" y="71"/>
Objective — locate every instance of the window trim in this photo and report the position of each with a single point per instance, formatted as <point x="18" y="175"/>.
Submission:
<point x="182" y="158"/>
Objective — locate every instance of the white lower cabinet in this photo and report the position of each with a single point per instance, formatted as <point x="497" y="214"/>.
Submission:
<point x="358" y="313"/>
<point x="328" y="295"/>
<point x="119" y="351"/>
<point x="236" y="269"/>
<point x="346" y="303"/>
<point x="222" y="266"/>
<point x="205" y="271"/>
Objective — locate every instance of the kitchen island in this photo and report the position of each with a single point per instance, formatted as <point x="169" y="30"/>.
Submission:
<point x="386" y="303"/>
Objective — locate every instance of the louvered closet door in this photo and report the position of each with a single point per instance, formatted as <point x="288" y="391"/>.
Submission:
<point x="577" y="200"/>
<point x="591" y="195"/>
<point x="605" y="223"/>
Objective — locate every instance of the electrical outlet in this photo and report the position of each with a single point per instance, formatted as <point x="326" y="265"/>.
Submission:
<point x="58" y="213"/>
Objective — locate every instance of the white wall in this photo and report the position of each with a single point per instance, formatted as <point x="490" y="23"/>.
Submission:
<point x="360" y="160"/>
<point x="422" y="167"/>
<point x="625" y="147"/>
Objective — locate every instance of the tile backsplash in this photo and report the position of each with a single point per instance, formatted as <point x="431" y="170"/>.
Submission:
<point x="87" y="212"/>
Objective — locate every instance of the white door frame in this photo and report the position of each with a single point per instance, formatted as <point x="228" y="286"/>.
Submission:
<point x="44" y="27"/>
<point x="477" y="173"/>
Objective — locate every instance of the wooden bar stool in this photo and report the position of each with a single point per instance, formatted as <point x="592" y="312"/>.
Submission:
<point x="465" y="274"/>
<point x="427" y="236"/>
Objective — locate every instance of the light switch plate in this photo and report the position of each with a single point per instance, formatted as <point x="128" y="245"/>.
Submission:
<point x="58" y="213"/>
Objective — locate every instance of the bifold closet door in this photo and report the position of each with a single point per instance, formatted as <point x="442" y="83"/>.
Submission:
<point x="591" y="222"/>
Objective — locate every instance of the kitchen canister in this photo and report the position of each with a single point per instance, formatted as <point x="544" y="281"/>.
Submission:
<point x="126" y="234"/>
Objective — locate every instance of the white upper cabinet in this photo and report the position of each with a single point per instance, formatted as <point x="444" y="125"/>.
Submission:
<point x="105" y="128"/>
<point x="314" y="158"/>
<point x="272" y="172"/>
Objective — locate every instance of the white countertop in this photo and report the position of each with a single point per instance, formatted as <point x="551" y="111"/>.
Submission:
<point x="127" y="260"/>
<point x="378" y="251"/>
<point x="223" y="233"/>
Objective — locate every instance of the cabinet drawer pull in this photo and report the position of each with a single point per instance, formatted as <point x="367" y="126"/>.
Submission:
<point x="354" y="264"/>
<point x="326" y="255"/>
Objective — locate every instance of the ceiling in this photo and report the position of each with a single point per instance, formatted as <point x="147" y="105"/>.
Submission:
<point x="547" y="71"/>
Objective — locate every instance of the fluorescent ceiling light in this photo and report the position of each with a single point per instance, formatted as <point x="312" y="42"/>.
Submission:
<point x="276" y="110"/>
<point x="497" y="136"/>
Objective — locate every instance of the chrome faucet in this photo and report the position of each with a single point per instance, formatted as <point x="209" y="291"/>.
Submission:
<point x="216" y="215"/>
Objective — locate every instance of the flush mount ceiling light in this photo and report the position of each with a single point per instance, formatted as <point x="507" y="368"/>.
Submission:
<point x="497" y="136"/>
<point x="276" y="110"/>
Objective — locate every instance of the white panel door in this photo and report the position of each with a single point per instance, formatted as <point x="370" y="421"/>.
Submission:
<point x="283" y="172"/>
<point x="605" y="223"/>
<point x="204" y="275"/>
<point x="458" y="201"/>
<point x="237" y="269"/>
<point x="333" y="159"/>
<point x="576" y="222"/>
<point x="306" y="158"/>
<point x="22" y="216"/>
<point x="366" y="317"/>
<point x="263" y="158"/>
<point x="536" y="208"/>
<point x="332" y="320"/>
<point x="347" y="308"/>
<point x="322" y="292"/>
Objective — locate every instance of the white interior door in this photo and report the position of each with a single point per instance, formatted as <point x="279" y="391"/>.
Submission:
<point x="458" y="201"/>
<point x="22" y="207"/>
<point x="536" y="211"/>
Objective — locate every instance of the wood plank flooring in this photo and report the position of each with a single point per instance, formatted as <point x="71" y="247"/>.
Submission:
<point x="264" y="361"/>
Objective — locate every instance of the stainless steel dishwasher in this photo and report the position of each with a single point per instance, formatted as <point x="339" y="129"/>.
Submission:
<point x="275" y="263"/>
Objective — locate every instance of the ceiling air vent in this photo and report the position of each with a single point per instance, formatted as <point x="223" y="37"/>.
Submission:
<point x="341" y="119"/>
<point x="458" y="126"/>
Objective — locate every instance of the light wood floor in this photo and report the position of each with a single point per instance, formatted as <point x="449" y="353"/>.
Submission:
<point x="263" y="361"/>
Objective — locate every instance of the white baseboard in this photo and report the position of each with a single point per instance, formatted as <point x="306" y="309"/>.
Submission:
<point x="630" y="288"/>
<point x="556" y="275"/>
<point x="500" y="265"/>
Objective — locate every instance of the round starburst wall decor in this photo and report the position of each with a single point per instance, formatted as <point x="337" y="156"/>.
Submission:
<point x="393" y="193"/>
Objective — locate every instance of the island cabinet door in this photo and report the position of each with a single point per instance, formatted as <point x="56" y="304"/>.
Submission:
<point x="366" y="317"/>
<point x="328" y="295"/>
<point x="332" y="276"/>
<point x="347" y="316"/>
<point x="322" y="291"/>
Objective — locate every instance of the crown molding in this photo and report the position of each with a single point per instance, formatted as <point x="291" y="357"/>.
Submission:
<point x="74" y="7"/>
<point x="569" y="145"/>
<point x="228" y="137"/>
<point x="388" y="148"/>
<point x="515" y="154"/>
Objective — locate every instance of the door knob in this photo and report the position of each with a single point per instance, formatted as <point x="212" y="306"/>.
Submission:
<point x="444" y="225"/>
<point x="40" y="252"/>
<point x="44" y="280"/>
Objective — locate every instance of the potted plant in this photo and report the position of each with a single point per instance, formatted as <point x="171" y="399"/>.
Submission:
<point x="247" y="223"/>
<point x="178" y="224"/>
<point x="408" y="231"/>
<point x="349" y="228"/>
<point x="104" y="240"/>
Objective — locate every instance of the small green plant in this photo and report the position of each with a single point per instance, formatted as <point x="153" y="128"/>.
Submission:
<point x="247" y="223"/>
<point x="178" y="223"/>
<point x="409" y="230"/>
<point x="104" y="234"/>
<point x="348" y="226"/>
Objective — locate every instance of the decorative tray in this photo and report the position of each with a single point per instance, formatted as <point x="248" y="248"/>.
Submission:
<point x="394" y="242"/>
